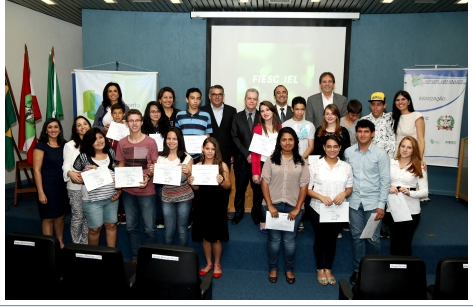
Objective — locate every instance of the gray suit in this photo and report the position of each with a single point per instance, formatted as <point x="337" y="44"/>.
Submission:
<point x="315" y="108"/>
<point x="288" y="114"/>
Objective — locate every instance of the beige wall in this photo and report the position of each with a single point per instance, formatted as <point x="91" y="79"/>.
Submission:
<point x="40" y="32"/>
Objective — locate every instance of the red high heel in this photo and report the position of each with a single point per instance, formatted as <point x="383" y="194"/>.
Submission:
<point x="209" y="266"/>
<point x="217" y="275"/>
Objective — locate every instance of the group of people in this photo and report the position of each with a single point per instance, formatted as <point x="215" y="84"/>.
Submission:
<point x="359" y="161"/>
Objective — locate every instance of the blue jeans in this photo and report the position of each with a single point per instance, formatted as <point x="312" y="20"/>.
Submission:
<point x="288" y="239"/>
<point x="176" y="215"/>
<point x="136" y="208"/>
<point x="358" y="220"/>
<point x="100" y="211"/>
<point x="159" y="203"/>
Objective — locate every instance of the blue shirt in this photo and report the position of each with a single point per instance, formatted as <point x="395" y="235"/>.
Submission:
<point x="194" y="124"/>
<point x="371" y="177"/>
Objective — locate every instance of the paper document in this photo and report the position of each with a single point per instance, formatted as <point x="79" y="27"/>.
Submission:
<point x="399" y="210"/>
<point x="262" y="145"/>
<point x="128" y="177"/>
<point x="194" y="143"/>
<point x="96" y="178"/>
<point x="279" y="223"/>
<point x="334" y="213"/>
<point x="370" y="227"/>
<point x="205" y="174"/>
<point x="167" y="174"/>
<point x="313" y="158"/>
<point x="159" y="140"/>
<point x="117" y="131"/>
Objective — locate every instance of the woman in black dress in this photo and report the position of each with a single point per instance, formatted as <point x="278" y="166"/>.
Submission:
<point x="210" y="223"/>
<point x="47" y="169"/>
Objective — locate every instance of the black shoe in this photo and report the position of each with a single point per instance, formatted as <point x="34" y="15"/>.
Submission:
<point x="384" y="231"/>
<point x="236" y="220"/>
<point x="354" y="278"/>
<point x="256" y="222"/>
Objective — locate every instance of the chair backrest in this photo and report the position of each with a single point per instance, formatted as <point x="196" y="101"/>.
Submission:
<point x="391" y="278"/>
<point x="32" y="266"/>
<point x="93" y="272"/>
<point x="167" y="272"/>
<point x="451" y="279"/>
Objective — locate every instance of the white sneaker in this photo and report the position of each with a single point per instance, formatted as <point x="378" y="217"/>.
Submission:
<point x="339" y="235"/>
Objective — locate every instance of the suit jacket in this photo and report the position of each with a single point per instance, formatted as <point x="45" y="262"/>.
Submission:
<point x="289" y="113"/>
<point x="242" y="135"/>
<point x="315" y="108"/>
<point x="223" y="133"/>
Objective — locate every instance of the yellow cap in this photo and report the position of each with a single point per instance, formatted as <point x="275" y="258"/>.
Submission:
<point x="377" y="96"/>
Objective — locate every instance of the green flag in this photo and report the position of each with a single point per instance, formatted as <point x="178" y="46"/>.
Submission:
<point x="54" y="104"/>
<point x="10" y="119"/>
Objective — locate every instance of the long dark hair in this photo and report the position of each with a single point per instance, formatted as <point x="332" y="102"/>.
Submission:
<point x="274" y="119"/>
<point x="87" y="145"/>
<point x="218" y="155"/>
<point x="75" y="135"/>
<point x="163" y="122"/>
<point x="43" y="137"/>
<point x="276" y="156"/>
<point x="106" y="101"/>
<point x="396" y="112"/>
<point x="181" y="146"/>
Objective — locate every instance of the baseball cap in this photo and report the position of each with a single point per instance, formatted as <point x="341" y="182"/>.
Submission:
<point x="377" y="96"/>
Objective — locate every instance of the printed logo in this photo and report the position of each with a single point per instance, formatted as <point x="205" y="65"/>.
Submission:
<point x="446" y="122"/>
<point x="417" y="80"/>
<point x="451" y="142"/>
<point x="432" y="141"/>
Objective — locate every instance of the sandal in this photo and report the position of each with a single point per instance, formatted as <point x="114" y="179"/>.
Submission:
<point x="203" y="272"/>
<point x="322" y="280"/>
<point x="330" y="280"/>
<point x="217" y="275"/>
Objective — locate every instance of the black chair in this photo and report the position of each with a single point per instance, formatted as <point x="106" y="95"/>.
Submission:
<point x="32" y="267"/>
<point x="451" y="279"/>
<point x="166" y="272"/>
<point x="383" y="277"/>
<point x="95" y="272"/>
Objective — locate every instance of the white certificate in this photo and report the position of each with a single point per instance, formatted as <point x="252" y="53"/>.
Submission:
<point x="262" y="145"/>
<point x="194" y="143"/>
<point x="313" y="158"/>
<point x="128" y="177"/>
<point x="334" y="213"/>
<point x="370" y="227"/>
<point x="167" y="174"/>
<point x="117" y="131"/>
<point x="158" y="139"/>
<point x="279" y="223"/>
<point x="205" y="174"/>
<point x="96" y="178"/>
<point x="399" y="210"/>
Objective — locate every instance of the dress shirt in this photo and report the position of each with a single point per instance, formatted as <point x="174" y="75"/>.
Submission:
<point x="329" y="182"/>
<point x="384" y="136"/>
<point x="403" y="178"/>
<point x="218" y="113"/>
<point x="285" y="181"/>
<point x="371" y="179"/>
<point x="253" y="114"/>
<point x="328" y="101"/>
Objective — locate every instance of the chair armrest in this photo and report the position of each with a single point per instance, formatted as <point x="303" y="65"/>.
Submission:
<point x="206" y="286"/>
<point x="345" y="292"/>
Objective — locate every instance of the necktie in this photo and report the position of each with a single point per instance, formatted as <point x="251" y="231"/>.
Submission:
<point x="283" y="116"/>
<point x="250" y="122"/>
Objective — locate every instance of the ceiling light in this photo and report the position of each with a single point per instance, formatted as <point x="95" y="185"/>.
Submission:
<point x="386" y="1"/>
<point x="49" y="2"/>
<point x="244" y="1"/>
<point x="110" y="1"/>
<point x="315" y="0"/>
<point x="462" y="2"/>
<point x="176" y="1"/>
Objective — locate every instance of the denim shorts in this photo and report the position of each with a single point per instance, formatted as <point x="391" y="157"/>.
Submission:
<point x="100" y="211"/>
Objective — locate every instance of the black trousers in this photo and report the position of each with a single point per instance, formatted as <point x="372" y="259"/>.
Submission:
<point x="242" y="177"/>
<point x="401" y="234"/>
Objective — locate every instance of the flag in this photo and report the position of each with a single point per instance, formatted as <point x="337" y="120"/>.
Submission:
<point x="54" y="105"/>
<point x="10" y="119"/>
<point x="29" y="113"/>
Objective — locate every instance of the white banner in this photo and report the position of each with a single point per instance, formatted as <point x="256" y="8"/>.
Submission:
<point x="138" y="88"/>
<point x="439" y="94"/>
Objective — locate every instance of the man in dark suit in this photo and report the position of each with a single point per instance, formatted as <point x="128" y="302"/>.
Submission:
<point x="284" y="111"/>
<point x="242" y="133"/>
<point x="317" y="103"/>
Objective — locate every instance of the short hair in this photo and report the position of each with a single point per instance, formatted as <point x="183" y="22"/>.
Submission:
<point x="216" y="86"/>
<point x="251" y="90"/>
<point x="133" y="112"/>
<point x="75" y="135"/>
<point x="364" y="123"/>
<point x="326" y="74"/>
<point x="43" y="137"/>
<point x="193" y="90"/>
<point x="280" y="85"/>
<point x="87" y="145"/>
<point x="117" y="106"/>
<point x="166" y="89"/>
<point x="354" y="106"/>
<point x="298" y="100"/>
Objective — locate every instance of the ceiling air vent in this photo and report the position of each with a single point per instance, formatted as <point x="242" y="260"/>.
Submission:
<point x="280" y="1"/>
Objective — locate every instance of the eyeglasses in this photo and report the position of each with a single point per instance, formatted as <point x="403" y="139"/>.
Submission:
<point x="219" y="95"/>
<point x="131" y="121"/>
<point x="154" y="111"/>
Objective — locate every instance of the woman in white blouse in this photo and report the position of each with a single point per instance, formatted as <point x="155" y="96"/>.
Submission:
<point x="331" y="182"/>
<point x="408" y="178"/>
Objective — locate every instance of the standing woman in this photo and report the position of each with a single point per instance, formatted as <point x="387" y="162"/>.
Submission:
<point x="331" y="126"/>
<point x="101" y="204"/>
<point x="166" y="98"/>
<point x="331" y="182"/>
<point x="112" y="94"/>
<point x="284" y="185"/>
<point x="177" y="200"/>
<point x="269" y="127"/>
<point x="408" y="122"/>
<point x="47" y="169"/>
<point x="408" y="178"/>
<point x="210" y="205"/>
<point x="79" y="228"/>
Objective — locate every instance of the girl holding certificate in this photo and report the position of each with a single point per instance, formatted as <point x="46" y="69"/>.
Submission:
<point x="210" y="205"/>
<point x="101" y="204"/>
<point x="269" y="127"/>
<point x="285" y="181"/>
<point x="408" y="178"/>
<point x="331" y="182"/>
<point x="79" y="228"/>
<point x="177" y="200"/>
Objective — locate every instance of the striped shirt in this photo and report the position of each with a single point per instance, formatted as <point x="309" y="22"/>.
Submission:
<point x="194" y="124"/>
